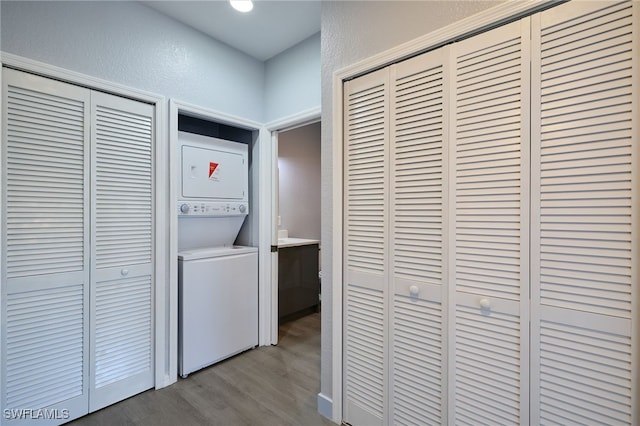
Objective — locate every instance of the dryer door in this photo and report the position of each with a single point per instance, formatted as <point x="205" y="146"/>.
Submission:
<point x="209" y="173"/>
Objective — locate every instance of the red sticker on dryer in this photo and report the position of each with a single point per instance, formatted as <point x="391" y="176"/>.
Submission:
<point x="212" y="168"/>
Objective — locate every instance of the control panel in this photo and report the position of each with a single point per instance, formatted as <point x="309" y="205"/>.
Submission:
<point x="211" y="208"/>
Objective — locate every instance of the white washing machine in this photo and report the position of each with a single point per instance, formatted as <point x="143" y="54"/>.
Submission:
<point x="218" y="298"/>
<point x="218" y="282"/>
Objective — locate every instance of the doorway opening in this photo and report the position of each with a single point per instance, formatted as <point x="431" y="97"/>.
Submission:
<point x="297" y="221"/>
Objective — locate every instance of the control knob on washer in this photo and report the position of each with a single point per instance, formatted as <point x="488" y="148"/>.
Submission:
<point x="242" y="208"/>
<point x="184" y="208"/>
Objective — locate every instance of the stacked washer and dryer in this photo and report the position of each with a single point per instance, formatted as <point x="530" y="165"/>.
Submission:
<point x="218" y="281"/>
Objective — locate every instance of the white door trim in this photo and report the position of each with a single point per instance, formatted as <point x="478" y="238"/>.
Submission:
<point x="275" y="213"/>
<point x="291" y="122"/>
<point x="177" y="107"/>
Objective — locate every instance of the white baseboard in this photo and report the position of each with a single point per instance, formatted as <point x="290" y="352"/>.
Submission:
<point x="325" y="406"/>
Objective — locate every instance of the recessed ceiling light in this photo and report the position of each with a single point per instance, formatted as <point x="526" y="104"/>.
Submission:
<point x="242" y="5"/>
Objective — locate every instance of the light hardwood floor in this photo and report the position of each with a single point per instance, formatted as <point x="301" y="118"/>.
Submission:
<point x="275" y="385"/>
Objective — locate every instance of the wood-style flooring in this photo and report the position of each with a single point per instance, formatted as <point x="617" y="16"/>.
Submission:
<point x="273" y="385"/>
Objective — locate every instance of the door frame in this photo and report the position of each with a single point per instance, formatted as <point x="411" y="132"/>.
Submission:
<point x="256" y="185"/>
<point x="303" y="118"/>
<point x="161" y="290"/>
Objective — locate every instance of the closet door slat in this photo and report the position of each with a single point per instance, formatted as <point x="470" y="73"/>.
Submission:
<point x="45" y="272"/>
<point x="584" y="160"/>
<point x="122" y="217"/>
<point x="366" y="109"/>
<point x="417" y="264"/>
<point x="488" y="277"/>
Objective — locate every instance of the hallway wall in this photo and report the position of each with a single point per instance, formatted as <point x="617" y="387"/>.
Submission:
<point x="299" y="181"/>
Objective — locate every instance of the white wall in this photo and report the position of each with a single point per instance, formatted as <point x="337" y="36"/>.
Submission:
<point x="299" y="181"/>
<point x="131" y="44"/>
<point x="352" y="31"/>
<point x="292" y="80"/>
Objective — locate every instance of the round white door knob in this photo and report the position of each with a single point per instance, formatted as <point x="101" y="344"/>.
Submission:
<point x="124" y="272"/>
<point x="485" y="303"/>
<point x="414" y="290"/>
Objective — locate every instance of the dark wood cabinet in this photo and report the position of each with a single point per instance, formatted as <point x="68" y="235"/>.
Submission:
<point x="298" y="281"/>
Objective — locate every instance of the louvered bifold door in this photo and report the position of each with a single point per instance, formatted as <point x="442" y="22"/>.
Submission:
<point x="418" y="247"/>
<point x="489" y="161"/>
<point x="45" y="262"/>
<point x="122" y="220"/>
<point x="366" y="108"/>
<point x="585" y="205"/>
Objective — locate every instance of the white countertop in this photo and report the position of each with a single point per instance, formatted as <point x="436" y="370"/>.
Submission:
<point x="293" y="242"/>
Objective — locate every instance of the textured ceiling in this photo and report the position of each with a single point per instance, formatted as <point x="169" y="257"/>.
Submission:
<point x="269" y="29"/>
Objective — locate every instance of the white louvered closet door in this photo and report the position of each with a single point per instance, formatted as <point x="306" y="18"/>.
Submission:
<point x="45" y="266"/>
<point x="585" y="223"/>
<point x="122" y="346"/>
<point x="418" y="196"/>
<point x="489" y="297"/>
<point x="366" y="106"/>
